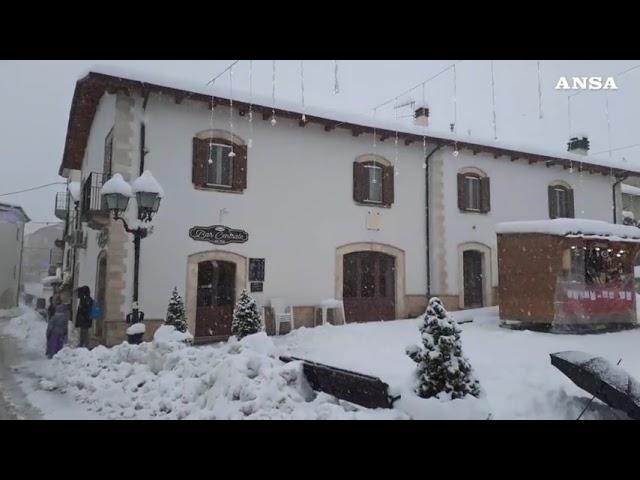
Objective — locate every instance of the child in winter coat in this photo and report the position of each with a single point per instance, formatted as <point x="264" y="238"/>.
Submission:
<point x="57" y="327"/>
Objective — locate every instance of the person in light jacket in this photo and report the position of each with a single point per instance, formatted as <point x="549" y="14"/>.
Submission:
<point x="57" y="327"/>
<point x="83" y="315"/>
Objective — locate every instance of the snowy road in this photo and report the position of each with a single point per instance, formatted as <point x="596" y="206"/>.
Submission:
<point x="13" y="403"/>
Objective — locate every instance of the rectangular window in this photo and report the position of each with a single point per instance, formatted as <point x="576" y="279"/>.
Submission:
<point x="472" y="193"/>
<point x="374" y="183"/>
<point x="219" y="166"/>
<point x="560" y="196"/>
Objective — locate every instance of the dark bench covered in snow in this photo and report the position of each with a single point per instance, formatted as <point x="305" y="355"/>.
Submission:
<point x="354" y="387"/>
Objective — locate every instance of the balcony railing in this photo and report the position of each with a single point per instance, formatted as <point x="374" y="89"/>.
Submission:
<point x="92" y="204"/>
<point x="62" y="205"/>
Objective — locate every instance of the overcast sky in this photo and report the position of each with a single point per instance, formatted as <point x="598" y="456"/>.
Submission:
<point x="35" y="97"/>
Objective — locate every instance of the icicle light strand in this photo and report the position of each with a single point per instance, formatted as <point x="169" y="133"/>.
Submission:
<point x="231" y="153"/>
<point x="540" y="115"/>
<point x="304" y="117"/>
<point x="250" y="142"/>
<point x="493" y="100"/>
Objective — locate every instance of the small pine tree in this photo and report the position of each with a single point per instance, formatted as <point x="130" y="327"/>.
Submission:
<point x="442" y="368"/>
<point x="246" y="316"/>
<point x="175" y="312"/>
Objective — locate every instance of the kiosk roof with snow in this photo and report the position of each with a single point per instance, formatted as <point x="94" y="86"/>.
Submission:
<point x="567" y="274"/>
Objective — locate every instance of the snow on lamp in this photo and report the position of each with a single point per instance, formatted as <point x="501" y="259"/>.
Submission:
<point x="148" y="195"/>
<point x="116" y="193"/>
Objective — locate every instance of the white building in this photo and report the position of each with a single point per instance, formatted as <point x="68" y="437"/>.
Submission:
<point x="12" y="220"/>
<point x="324" y="210"/>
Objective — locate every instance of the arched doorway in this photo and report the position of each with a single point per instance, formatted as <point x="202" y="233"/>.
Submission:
<point x="472" y="279"/>
<point x="101" y="291"/>
<point x="215" y="298"/>
<point x="474" y="275"/>
<point x="214" y="282"/>
<point x="369" y="290"/>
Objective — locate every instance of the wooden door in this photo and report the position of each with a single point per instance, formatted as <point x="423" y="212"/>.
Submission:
<point x="369" y="286"/>
<point x="216" y="299"/>
<point x="472" y="271"/>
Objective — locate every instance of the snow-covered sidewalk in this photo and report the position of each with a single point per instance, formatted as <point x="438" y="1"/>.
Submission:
<point x="170" y="379"/>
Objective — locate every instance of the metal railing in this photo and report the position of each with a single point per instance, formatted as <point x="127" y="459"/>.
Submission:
<point x="92" y="203"/>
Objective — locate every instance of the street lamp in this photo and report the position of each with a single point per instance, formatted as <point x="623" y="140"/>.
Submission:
<point x="148" y="193"/>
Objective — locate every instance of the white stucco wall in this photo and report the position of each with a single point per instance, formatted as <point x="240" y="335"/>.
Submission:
<point x="93" y="161"/>
<point x="298" y="206"/>
<point x="10" y="247"/>
<point x="518" y="192"/>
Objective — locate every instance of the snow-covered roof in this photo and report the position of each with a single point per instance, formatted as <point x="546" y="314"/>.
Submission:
<point x="11" y="213"/>
<point x="127" y="78"/>
<point x="630" y="190"/>
<point x="573" y="227"/>
<point x="74" y="190"/>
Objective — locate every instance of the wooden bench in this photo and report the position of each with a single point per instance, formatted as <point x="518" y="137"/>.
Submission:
<point x="364" y="390"/>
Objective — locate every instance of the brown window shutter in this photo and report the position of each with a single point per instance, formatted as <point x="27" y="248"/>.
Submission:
<point x="388" y="179"/>
<point x="199" y="162"/>
<point x="360" y="181"/>
<point x="462" y="194"/>
<point x="553" y="208"/>
<point x="570" y="206"/>
<point x="240" y="167"/>
<point x="485" y="195"/>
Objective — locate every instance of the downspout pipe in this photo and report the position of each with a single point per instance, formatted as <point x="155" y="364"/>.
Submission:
<point x="613" y="194"/>
<point x="427" y="218"/>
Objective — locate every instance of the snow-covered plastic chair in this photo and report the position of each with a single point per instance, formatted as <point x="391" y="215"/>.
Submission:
<point x="282" y="313"/>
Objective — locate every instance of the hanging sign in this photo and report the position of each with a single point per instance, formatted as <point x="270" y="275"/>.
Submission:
<point x="256" y="269"/>
<point x="218" y="235"/>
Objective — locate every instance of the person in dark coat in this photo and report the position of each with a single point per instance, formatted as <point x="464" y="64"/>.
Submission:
<point x="57" y="327"/>
<point x="51" y="310"/>
<point x="83" y="315"/>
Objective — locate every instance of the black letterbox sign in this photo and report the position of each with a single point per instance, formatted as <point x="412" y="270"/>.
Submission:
<point x="218" y="235"/>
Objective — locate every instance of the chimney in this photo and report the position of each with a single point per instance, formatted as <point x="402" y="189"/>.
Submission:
<point x="421" y="116"/>
<point x="578" y="146"/>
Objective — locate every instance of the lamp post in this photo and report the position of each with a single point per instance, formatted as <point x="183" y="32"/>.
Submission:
<point x="148" y="194"/>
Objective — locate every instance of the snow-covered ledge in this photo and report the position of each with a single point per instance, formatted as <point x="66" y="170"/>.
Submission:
<point x="573" y="227"/>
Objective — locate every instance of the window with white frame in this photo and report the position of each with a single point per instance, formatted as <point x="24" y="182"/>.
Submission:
<point x="374" y="183"/>
<point x="220" y="166"/>
<point x="472" y="197"/>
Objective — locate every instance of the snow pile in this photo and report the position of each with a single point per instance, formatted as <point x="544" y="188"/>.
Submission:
<point x="11" y="312"/>
<point x="572" y="227"/>
<point x="147" y="183"/>
<point x="168" y="379"/>
<point x="136" y="328"/>
<point x="51" y="280"/>
<point x="116" y="184"/>
<point x="31" y="329"/>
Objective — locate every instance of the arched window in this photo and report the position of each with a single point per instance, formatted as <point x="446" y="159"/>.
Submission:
<point x="373" y="181"/>
<point x="473" y="191"/>
<point x="560" y="196"/>
<point x="219" y="162"/>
